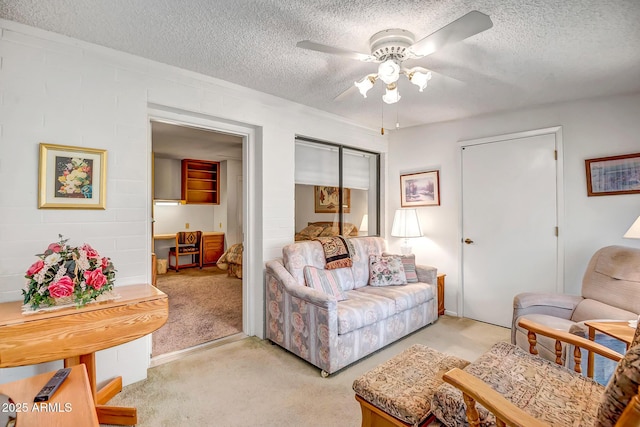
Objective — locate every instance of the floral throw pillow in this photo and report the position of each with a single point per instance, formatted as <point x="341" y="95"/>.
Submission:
<point x="409" y="264"/>
<point x="324" y="281"/>
<point x="386" y="270"/>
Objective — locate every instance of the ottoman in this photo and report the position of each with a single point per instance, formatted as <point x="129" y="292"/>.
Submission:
<point x="399" y="392"/>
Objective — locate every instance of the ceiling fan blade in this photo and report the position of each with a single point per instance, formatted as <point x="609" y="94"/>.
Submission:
<point x="468" y="25"/>
<point x="308" y="44"/>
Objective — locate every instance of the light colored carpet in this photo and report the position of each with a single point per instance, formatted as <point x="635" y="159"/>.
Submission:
<point x="252" y="382"/>
<point x="204" y="305"/>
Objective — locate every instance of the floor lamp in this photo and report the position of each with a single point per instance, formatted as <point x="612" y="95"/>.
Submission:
<point x="406" y="225"/>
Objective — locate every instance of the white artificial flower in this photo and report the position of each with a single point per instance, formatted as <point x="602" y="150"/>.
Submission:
<point x="52" y="259"/>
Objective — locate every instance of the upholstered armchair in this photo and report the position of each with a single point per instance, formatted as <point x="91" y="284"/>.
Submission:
<point x="610" y="290"/>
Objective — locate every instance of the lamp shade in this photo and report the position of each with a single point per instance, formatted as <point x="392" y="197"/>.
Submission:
<point x="634" y="231"/>
<point x="406" y="224"/>
<point x="364" y="225"/>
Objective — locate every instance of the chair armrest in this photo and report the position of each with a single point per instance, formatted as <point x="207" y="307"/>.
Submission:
<point x="566" y="337"/>
<point x="289" y="284"/>
<point x="476" y="390"/>
<point x="535" y="299"/>
<point x="556" y="305"/>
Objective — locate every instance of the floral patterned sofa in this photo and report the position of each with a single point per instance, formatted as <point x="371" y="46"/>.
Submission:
<point x="346" y="318"/>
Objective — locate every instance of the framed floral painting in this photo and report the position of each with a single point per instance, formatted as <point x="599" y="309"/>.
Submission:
<point x="72" y="177"/>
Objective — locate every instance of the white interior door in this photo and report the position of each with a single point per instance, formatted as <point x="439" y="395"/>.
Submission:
<point x="509" y="222"/>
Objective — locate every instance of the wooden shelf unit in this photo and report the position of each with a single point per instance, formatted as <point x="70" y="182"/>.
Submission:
<point x="201" y="182"/>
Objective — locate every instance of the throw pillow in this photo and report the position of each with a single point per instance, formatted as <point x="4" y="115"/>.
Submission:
<point x="311" y="231"/>
<point x="409" y="264"/>
<point x="347" y="228"/>
<point x="324" y="280"/>
<point x="330" y="231"/>
<point x="621" y="388"/>
<point x="386" y="270"/>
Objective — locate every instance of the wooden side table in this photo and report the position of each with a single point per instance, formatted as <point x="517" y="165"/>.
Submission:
<point x="71" y="405"/>
<point x="441" y="294"/>
<point x="75" y="334"/>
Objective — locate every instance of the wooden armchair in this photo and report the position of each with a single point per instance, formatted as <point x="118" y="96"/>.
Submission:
<point x="616" y="405"/>
<point x="187" y="243"/>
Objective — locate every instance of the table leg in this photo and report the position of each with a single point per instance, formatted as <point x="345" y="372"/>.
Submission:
<point x="590" y="357"/>
<point x="118" y="415"/>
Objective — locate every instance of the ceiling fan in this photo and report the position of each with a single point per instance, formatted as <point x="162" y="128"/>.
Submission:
<point x="392" y="47"/>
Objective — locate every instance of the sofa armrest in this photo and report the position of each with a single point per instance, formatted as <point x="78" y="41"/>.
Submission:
<point x="427" y="274"/>
<point x="289" y="285"/>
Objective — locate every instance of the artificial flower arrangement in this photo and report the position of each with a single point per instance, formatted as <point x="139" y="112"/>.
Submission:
<point x="67" y="274"/>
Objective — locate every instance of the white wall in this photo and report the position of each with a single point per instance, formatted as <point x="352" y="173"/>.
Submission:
<point x="591" y="128"/>
<point x="63" y="91"/>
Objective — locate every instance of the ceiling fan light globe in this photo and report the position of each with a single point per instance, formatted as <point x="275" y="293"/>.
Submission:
<point x="364" y="85"/>
<point x="420" y="79"/>
<point x="389" y="71"/>
<point x="391" y="96"/>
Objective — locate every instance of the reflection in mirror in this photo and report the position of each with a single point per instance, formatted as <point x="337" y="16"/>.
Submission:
<point x="7" y="411"/>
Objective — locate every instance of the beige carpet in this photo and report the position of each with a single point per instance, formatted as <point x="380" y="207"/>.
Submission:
<point x="254" y="383"/>
<point x="204" y="305"/>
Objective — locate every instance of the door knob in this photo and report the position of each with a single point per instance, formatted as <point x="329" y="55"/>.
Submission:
<point x="468" y="241"/>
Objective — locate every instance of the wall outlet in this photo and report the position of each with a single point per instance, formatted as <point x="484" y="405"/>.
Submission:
<point x="186" y="226"/>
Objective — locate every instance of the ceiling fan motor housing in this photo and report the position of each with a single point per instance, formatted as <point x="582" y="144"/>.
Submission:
<point x="391" y="44"/>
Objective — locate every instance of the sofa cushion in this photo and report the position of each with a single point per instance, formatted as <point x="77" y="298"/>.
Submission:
<point x="409" y="264"/>
<point x="361" y="309"/>
<point x="405" y="297"/>
<point x="622" y="387"/>
<point x="325" y="281"/>
<point x="386" y="270"/>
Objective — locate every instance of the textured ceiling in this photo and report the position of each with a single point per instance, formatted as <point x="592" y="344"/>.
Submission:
<point x="538" y="51"/>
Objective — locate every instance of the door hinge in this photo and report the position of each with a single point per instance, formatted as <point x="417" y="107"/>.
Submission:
<point x="555" y="154"/>
<point x="557" y="231"/>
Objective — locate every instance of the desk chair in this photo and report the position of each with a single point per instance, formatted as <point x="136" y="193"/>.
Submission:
<point x="187" y="243"/>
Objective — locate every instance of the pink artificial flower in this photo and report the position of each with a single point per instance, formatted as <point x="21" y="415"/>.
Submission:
<point x="91" y="253"/>
<point x="105" y="262"/>
<point x="55" y="247"/>
<point x="61" y="288"/>
<point x="35" y="267"/>
<point x="95" y="278"/>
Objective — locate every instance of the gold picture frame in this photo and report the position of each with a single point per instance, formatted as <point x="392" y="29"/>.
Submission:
<point x="326" y="199"/>
<point x="72" y="177"/>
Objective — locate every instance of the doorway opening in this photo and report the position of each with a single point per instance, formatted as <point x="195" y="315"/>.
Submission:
<point x="205" y="304"/>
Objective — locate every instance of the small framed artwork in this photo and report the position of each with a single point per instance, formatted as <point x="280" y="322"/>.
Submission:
<point x="613" y="175"/>
<point x="327" y="199"/>
<point x="420" y="189"/>
<point x="72" y="177"/>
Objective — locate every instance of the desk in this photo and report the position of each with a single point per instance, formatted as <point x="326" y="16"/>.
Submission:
<point x="75" y="334"/>
<point x="71" y="405"/>
<point x="618" y="330"/>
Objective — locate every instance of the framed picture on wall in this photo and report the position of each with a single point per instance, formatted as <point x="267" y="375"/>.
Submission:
<point x="72" y="177"/>
<point x="420" y="189"/>
<point x="327" y="199"/>
<point x="613" y="175"/>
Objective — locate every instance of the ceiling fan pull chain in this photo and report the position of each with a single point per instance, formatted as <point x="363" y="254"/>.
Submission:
<point x="382" y="120"/>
